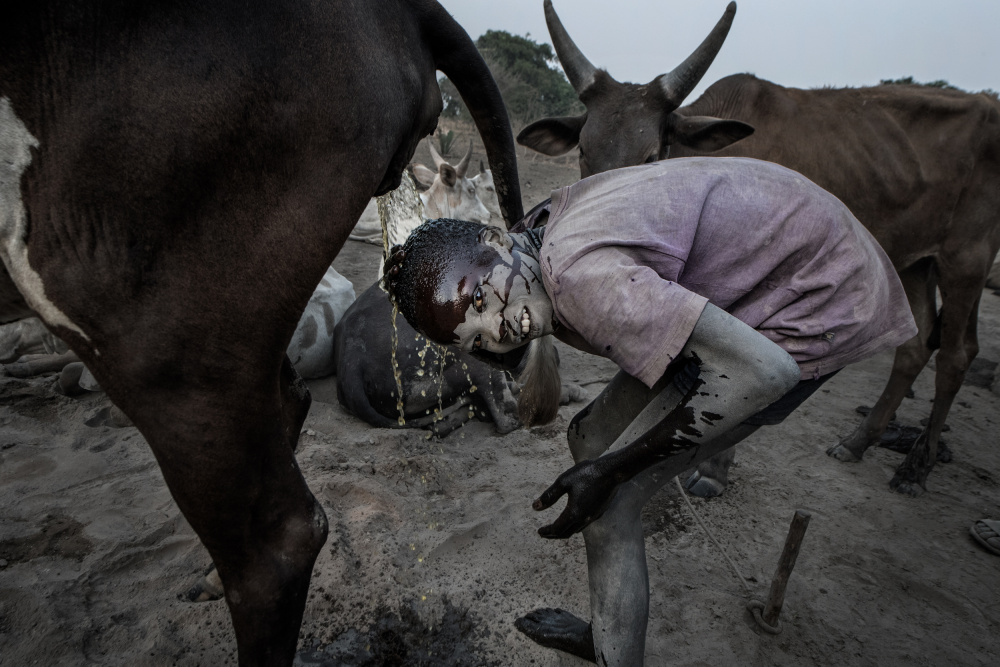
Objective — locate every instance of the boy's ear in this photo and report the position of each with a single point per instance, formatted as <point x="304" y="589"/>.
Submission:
<point x="495" y="237"/>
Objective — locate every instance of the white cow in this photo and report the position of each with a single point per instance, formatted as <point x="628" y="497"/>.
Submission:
<point x="487" y="193"/>
<point x="311" y="349"/>
<point x="449" y="194"/>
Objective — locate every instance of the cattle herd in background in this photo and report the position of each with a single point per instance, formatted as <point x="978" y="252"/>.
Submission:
<point x="921" y="173"/>
<point x="917" y="165"/>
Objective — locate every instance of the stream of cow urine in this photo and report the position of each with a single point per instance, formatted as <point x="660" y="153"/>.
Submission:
<point x="399" y="202"/>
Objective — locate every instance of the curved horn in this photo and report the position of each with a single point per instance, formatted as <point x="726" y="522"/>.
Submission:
<point x="679" y="83"/>
<point x="463" y="166"/>
<point x="579" y="70"/>
<point x="438" y="160"/>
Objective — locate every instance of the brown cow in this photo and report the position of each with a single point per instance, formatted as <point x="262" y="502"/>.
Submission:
<point x="919" y="166"/>
<point x="175" y="179"/>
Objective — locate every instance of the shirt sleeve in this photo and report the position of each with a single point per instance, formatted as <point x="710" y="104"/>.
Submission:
<point x="626" y="311"/>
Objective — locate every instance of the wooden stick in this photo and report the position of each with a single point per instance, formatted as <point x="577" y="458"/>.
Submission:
<point x="793" y="542"/>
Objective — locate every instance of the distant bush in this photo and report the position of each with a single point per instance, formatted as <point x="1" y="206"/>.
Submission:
<point x="526" y="73"/>
<point x="908" y="81"/>
<point x="940" y="83"/>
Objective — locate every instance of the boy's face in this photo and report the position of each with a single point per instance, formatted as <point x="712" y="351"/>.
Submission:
<point x="505" y="304"/>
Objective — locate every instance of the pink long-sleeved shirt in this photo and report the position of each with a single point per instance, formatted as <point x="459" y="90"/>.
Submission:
<point x="631" y="256"/>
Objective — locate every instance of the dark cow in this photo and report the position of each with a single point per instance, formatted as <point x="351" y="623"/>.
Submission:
<point x="442" y="388"/>
<point x="919" y="166"/>
<point x="175" y="179"/>
<point x="459" y="384"/>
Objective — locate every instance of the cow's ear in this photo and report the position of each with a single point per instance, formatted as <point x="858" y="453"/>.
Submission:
<point x="708" y="134"/>
<point x="448" y="174"/>
<point x="494" y="236"/>
<point x="423" y="175"/>
<point x="553" y="136"/>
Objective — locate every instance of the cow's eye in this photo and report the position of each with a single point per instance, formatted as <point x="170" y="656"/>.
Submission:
<point x="477" y="342"/>
<point x="477" y="299"/>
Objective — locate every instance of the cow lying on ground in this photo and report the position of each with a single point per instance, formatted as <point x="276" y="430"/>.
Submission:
<point x="311" y="347"/>
<point x="918" y="166"/>
<point x="174" y="183"/>
<point x="442" y="388"/>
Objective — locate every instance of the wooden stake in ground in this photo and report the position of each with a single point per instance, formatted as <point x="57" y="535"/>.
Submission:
<point x="767" y="614"/>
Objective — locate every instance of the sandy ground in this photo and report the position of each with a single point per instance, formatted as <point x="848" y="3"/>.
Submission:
<point x="432" y="552"/>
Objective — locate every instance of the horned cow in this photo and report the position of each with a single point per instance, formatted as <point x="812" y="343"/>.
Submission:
<point x="174" y="182"/>
<point x="918" y="166"/>
<point x="448" y="193"/>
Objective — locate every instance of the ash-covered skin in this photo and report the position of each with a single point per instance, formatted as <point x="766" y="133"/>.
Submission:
<point x="508" y="306"/>
<point x="488" y="297"/>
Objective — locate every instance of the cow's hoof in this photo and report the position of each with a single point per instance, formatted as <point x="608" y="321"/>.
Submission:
<point x="906" y="487"/>
<point x="18" y="370"/>
<point x="209" y="588"/>
<point x="843" y="454"/>
<point x="111" y="416"/>
<point x="703" y="486"/>
<point x="572" y="393"/>
<point x="69" y="379"/>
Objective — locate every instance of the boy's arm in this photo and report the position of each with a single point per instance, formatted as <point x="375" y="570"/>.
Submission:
<point x="740" y="373"/>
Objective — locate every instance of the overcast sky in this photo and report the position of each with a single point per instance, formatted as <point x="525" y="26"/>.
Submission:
<point x="799" y="43"/>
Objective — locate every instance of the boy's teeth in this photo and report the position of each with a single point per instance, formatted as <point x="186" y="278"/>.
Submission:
<point x="525" y="322"/>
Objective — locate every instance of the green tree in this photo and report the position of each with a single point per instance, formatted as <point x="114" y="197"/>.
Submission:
<point x="908" y="81"/>
<point x="525" y="72"/>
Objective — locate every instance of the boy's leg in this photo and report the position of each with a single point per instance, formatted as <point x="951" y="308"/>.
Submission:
<point x="728" y="392"/>
<point x="590" y="433"/>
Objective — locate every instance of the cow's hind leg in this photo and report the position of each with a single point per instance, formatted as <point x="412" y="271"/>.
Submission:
<point x="226" y="451"/>
<point x="920" y="284"/>
<point x="296" y="400"/>
<point x="960" y="295"/>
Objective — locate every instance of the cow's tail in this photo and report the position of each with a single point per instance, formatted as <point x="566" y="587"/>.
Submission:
<point x="456" y="56"/>
<point x="538" y="401"/>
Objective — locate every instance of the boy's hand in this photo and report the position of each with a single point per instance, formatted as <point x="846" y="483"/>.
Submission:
<point x="590" y="492"/>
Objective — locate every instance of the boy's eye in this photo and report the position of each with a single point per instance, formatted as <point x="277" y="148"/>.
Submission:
<point x="477" y="299"/>
<point x="478" y="342"/>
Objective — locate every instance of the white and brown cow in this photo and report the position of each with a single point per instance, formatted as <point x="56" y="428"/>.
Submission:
<point x="175" y="180"/>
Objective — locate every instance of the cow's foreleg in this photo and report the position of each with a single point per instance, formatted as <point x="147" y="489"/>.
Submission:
<point x="959" y="346"/>
<point x="920" y="284"/>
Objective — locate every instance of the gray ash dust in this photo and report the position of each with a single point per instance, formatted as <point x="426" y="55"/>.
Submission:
<point x="403" y="639"/>
<point x="666" y="513"/>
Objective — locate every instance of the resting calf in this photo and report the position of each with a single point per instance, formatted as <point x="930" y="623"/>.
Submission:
<point x="432" y="376"/>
